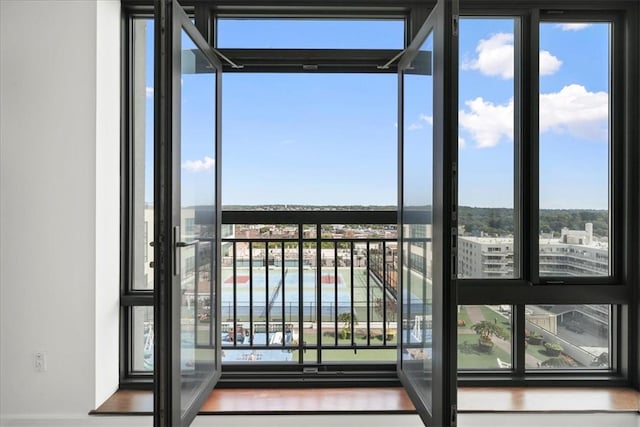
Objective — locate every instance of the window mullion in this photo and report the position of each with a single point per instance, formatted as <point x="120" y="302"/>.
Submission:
<point x="530" y="173"/>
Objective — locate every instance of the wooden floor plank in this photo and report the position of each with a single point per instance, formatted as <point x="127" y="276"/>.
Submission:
<point x="389" y="399"/>
<point x="287" y="400"/>
<point x="548" y="399"/>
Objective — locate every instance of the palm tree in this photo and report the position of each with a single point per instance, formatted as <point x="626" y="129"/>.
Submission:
<point x="346" y="318"/>
<point x="486" y="330"/>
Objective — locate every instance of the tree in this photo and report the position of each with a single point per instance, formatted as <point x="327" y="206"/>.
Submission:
<point x="486" y="330"/>
<point x="346" y="319"/>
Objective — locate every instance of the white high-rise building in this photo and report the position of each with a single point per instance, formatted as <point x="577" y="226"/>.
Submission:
<point x="574" y="253"/>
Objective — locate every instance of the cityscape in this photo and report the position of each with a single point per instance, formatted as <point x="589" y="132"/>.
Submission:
<point x="271" y="297"/>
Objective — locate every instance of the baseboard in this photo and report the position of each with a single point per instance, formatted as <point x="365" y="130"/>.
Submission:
<point x="464" y="420"/>
<point x="58" y="420"/>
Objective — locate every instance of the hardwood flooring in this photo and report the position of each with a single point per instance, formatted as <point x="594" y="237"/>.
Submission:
<point x="388" y="400"/>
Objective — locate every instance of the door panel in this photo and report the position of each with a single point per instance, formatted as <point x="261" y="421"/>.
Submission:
<point x="427" y="153"/>
<point x="188" y="211"/>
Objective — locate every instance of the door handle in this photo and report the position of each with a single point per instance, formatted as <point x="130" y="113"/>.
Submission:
<point x="186" y="244"/>
<point x="178" y="244"/>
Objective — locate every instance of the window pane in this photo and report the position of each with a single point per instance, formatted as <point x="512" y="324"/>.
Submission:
<point x="416" y="296"/>
<point x="141" y="152"/>
<point x="484" y="337"/>
<point x="486" y="149"/>
<point x="142" y="338"/>
<point x="568" y="336"/>
<point x="310" y="34"/>
<point x="309" y="139"/>
<point x="574" y="149"/>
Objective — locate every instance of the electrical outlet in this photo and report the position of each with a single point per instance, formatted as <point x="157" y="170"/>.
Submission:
<point x="40" y="361"/>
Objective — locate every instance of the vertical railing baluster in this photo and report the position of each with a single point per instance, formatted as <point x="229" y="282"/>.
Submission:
<point x="335" y="288"/>
<point x="319" y="292"/>
<point x="353" y="325"/>
<point x="235" y="298"/>
<point x="368" y="261"/>
<point x="384" y="292"/>
<point x="266" y="291"/>
<point x="251" y="326"/>
<point x="283" y="271"/>
<point x="424" y="293"/>
<point x="300" y="294"/>
<point x="407" y="261"/>
<point x="213" y="308"/>
<point x="196" y="274"/>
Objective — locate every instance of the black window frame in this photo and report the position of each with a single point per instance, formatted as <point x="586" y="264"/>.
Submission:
<point x="620" y="289"/>
<point x="129" y="297"/>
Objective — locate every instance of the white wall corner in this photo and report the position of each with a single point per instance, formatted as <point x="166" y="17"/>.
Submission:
<point x="107" y="201"/>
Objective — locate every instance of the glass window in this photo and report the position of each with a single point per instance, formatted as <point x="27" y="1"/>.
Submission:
<point x="484" y="337"/>
<point x="486" y="222"/>
<point x="309" y="139"/>
<point x="142" y="339"/>
<point x="574" y="149"/>
<point x="568" y="336"/>
<point x="141" y="155"/>
<point x="311" y="33"/>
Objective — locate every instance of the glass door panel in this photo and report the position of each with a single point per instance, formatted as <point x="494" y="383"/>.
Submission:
<point x="196" y="272"/>
<point x="426" y="365"/>
<point x="187" y="183"/>
<point x="417" y="254"/>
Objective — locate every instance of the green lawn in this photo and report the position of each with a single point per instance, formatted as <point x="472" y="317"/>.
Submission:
<point x="469" y="357"/>
<point x="462" y="315"/>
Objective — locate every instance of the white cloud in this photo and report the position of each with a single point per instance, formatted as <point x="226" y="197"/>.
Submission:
<point x="425" y="118"/>
<point x="149" y="91"/>
<point x="549" y="64"/>
<point x="495" y="57"/>
<point x="573" y="111"/>
<point x="487" y="122"/>
<point x="419" y="123"/>
<point x="576" y="26"/>
<point x="461" y="143"/>
<point x="199" y="165"/>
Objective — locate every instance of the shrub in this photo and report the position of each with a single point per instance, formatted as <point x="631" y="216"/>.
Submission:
<point x="535" y="338"/>
<point x="553" y="349"/>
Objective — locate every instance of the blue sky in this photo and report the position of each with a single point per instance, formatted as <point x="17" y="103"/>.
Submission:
<point x="331" y="138"/>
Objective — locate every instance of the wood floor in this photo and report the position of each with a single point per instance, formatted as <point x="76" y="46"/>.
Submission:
<point x="276" y="401"/>
<point x="388" y="400"/>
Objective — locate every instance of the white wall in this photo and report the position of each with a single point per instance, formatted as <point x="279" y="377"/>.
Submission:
<point x="107" y="158"/>
<point x="58" y="186"/>
<point x="59" y="140"/>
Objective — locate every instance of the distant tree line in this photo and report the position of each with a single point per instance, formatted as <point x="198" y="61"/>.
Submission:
<point x="500" y="221"/>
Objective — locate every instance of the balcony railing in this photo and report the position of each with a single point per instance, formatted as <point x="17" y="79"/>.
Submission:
<point x="309" y="287"/>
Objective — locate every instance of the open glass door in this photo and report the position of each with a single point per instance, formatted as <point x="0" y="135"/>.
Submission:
<point x="187" y="177"/>
<point x="427" y="153"/>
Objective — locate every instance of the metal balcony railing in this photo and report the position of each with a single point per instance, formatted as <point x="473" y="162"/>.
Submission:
<point x="304" y="287"/>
